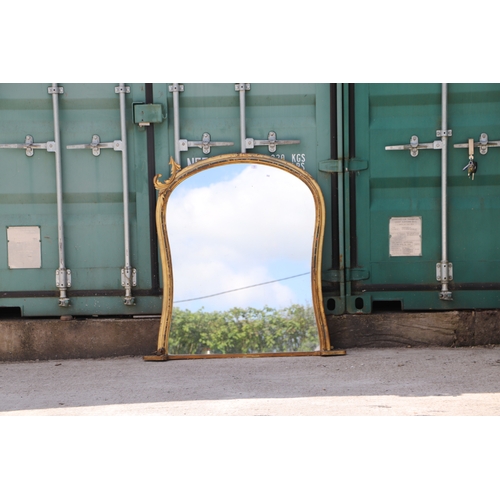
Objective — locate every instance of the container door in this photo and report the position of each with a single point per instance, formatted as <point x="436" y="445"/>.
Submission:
<point x="288" y="121"/>
<point x="92" y="201"/>
<point x="188" y="122"/>
<point x="394" y="213"/>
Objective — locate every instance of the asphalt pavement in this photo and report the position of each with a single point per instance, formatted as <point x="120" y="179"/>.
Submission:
<point x="365" y="382"/>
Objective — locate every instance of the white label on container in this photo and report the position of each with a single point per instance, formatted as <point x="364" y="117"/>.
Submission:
<point x="23" y="247"/>
<point x="405" y="237"/>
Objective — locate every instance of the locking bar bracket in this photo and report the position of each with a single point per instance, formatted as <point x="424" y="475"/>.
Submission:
<point x="129" y="279"/>
<point x="63" y="278"/>
<point x="444" y="272"/>
<point x="444" y="133"/>
<point x="129" y="276"/>
<point x="55" y="90"/>
<point x="241" y="86"/>
<point x="176" y="87"/>
<point x="122" y="90"/>
<point x="483" y="144"/>
<point x="205" y="144"/>
<point x="63" y="282"/>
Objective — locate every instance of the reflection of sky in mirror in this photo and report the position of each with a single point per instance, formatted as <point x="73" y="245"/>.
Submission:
<point x="239" y="225"/>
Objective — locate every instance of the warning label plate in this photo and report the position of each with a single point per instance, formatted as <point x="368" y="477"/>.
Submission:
<point x="405" y="236"/>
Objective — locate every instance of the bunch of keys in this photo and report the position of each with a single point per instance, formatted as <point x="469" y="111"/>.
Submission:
<point x="471" y="167"/>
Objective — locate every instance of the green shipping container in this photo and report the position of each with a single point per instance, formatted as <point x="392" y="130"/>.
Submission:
<point x="80" y="246"/>
<point x="87" y="248"/>
<point x="415" y="238"/>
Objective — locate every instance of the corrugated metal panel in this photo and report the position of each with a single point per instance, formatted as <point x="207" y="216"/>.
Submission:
<point x="92" y="185"/>
<point x="397" y="185"/>
<point x="92" y="199"/>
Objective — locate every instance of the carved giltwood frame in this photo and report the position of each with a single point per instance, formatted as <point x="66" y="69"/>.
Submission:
<point x="165" y="189"/>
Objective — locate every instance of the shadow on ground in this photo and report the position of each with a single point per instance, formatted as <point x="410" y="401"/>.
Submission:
<point x="416" y="372"/>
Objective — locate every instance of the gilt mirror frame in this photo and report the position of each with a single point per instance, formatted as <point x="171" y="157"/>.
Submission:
<point x="166" y="188"/>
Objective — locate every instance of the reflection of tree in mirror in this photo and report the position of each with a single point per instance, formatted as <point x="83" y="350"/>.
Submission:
<point x="247" y="331"/>
<point x="234" y="227"/>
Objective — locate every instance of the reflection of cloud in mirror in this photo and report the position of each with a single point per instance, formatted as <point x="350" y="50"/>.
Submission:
<point x="238" y="225"/>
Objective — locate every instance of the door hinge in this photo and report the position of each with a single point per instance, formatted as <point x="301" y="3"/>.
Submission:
<point x="337" y="166"/>
<point x="354" y="165"/>
<point x="356" y="274"/>
<point x="350" y="275"/>
<point x="331" y="166"/>
<point x="332" y="275"/>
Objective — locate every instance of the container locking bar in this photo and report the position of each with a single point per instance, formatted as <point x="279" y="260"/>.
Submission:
<point x="128" y="274"/>
<point x="483" y="144"/>
<point x="175" y="88"/>
<point x="63" y="275"/>
<point x="242" y="88"/>
<point x="96" y="145"/>
<point x="444" y="269"/>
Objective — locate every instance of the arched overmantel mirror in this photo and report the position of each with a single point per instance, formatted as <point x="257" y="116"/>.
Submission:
<point x="166" y="189"/>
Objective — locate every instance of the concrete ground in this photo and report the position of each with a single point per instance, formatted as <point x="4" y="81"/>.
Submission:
<point x="367" y="381"/>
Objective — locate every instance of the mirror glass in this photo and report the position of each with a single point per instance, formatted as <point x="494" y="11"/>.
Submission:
<point x="241" y="238"/>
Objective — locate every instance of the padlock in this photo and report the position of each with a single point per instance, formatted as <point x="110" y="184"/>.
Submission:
<point x="471" y="167"/>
